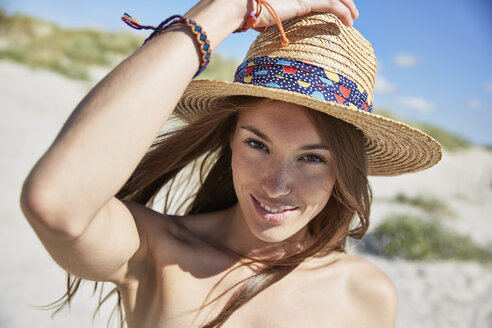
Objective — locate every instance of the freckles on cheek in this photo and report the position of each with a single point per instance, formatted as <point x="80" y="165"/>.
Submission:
<point x="318" y="188"/>
<point x="244" y="168"/>
<point x="319" y="181"/>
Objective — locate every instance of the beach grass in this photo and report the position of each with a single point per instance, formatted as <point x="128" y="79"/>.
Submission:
<point x="219" y="68"/>
<point x="413" y="238"/>
<point x="69" y="52"/>
<point x="427" y="203"/>
<point x="73" y="52"/>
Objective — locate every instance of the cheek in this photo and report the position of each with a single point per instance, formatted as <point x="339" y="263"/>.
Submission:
<point x="316" y="189"/>
<point x="244" y="168"/>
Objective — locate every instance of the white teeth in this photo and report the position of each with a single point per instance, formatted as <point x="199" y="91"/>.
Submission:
<point x="271" y="210"/>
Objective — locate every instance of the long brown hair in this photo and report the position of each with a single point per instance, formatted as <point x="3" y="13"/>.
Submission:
<point x="203" y="147"/>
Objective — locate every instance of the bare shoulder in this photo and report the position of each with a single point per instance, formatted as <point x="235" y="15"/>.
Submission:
<point x="169" y="237"/>
<point x="155" y="230"/>
<point x="149" y="220"/>
<point x="361" y="272"/>
<point x="372" y="291"/>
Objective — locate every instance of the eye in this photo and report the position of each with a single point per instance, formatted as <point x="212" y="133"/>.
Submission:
<point x="255" y="144"/>
<point x="313" y="159"/>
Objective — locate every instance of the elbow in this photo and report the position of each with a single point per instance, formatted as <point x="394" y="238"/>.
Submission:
<point x="43" y="211"/>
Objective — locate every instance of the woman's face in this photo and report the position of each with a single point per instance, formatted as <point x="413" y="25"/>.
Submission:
<point x="282" y="170"/>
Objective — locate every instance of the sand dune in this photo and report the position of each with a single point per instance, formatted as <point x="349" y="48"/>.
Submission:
<point x="34" y="105"/>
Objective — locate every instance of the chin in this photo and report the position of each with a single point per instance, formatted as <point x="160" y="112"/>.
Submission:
<point x="270" y="231"/>
<point x="270" y="237"/>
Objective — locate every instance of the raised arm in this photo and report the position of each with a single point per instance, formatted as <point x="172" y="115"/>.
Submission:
<point x="68" y="196"/>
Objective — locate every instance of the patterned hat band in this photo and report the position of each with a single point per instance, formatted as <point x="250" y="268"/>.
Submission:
<point x="301" y="77"/>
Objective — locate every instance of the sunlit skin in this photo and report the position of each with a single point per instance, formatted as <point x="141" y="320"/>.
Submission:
<point x="278" y="160"/>
<point x="164" y="270"/>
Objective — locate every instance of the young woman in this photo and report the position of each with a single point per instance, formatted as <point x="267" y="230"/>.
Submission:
<point x="282" y="153"/>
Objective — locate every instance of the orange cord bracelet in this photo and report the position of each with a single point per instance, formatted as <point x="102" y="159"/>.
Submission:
<point x="253" y="17"/>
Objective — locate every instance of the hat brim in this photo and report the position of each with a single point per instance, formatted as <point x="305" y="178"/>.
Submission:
<point x="392" y="147"/>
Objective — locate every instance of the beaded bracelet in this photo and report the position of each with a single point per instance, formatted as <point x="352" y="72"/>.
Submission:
<point x="201" y="36"/>
<point x="253" y="17"/>
<point x="250" y="22"/>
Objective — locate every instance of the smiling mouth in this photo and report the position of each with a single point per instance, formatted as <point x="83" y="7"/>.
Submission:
<point x="273" y="209"/>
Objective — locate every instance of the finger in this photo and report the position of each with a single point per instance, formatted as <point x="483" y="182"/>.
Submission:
<point x="335" y="7"/>
<point x="339" y="9"/>
<point x="351" y="6"/>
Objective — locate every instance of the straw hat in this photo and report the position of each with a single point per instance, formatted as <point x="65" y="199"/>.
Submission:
<point x="328" y="67"/>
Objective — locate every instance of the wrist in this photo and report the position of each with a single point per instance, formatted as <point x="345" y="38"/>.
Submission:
<point x="219" y="18"/>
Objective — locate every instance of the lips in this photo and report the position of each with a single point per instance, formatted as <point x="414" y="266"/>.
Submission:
<point x="272" y="212"/>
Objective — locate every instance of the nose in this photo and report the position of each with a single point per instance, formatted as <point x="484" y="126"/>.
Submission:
<point x="277" y="180"/>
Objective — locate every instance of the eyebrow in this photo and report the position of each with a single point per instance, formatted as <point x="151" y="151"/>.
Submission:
<point x="263" y="136"/>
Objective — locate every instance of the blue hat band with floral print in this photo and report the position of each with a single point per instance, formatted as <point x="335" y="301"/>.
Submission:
<point x="301" y="77"/>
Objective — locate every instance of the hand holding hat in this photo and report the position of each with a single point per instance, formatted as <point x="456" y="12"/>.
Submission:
<point x="345" y="10"/>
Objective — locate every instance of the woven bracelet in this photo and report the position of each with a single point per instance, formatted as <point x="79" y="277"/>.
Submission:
<point x="201" y="36"/>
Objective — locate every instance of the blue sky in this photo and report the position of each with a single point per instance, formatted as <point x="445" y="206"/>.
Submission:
<point x="434" y="57"/>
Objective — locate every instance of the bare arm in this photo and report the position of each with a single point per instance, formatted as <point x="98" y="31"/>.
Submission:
<point x="68" y="196"/>
<point x="111" y="129"/>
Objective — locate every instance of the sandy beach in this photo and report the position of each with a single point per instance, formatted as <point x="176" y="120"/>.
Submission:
<point x="35" y="103"/>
